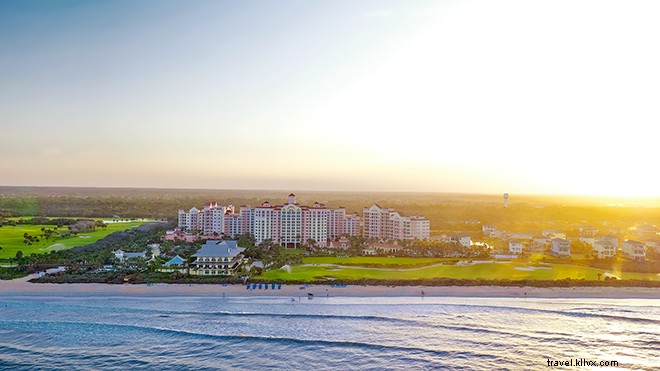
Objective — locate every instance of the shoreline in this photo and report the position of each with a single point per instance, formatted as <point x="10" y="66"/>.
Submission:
<point x="21" y="287"/>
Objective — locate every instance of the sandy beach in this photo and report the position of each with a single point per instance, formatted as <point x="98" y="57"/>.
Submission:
<point x="21" y="287"/>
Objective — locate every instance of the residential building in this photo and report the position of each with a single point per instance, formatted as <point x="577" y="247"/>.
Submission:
<point x="462" y="239"/>
<point x="647" y="231"/>
<point x="588" y="231"/>
<point x="216" y="258"/>
<point x="487" y="229"/>
<point x="179" y="235"/>
<point x="561" y="247"/>
<point x="123" y="255"/>
<point x="654" y="244"/>
<point x="386" y="248"/>
<point x="634" y="250"/>
<point x="388" y="224"/>
<point x="515" y="247"/>
<point x="606" y="246"/>
<point x="587" y="240"/>
<point x="552" y="234"/>
<point x="540" y="243"/>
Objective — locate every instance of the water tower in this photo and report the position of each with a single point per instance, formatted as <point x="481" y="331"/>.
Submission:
<point x="506" y="200"/>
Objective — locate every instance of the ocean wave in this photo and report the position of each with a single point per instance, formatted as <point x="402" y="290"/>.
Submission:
<point x="571" y="313"/>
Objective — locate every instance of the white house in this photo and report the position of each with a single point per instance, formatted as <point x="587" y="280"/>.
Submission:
<point x="561" y="247"/>
<point x="552" y="234"/>
<point x="462" y="239"/>
<point x="606" y="247"/>
<point x="588" y="231"/>
<point x="515" y="247"/>
<point x="634" y="249"/>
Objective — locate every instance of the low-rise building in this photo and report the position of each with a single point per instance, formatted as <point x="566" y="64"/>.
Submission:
<point x="647" y="231"/>
<point x="216" y="258"/>
<point x="123" y="255"/>
<point x="606" y="246"/>
<point x="540" y="243"/>
<point x="587" y="231"/>
<point x="341" y="243"/>
<point x="179" y="235"/>
<point x="176" y="262"/>
<point x="385" y="248"/>
<point x="634" y="250"/>
<point x="487" y="229"/>
<point x="552" y="234"/>
<point x="654" y="244"/>
<point x="462" y="239"/>
<point x="561" y="247"/>
<point x="515" y="247"/>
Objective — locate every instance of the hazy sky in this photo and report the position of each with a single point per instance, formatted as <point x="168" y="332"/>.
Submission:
<point x="453" y="96"/>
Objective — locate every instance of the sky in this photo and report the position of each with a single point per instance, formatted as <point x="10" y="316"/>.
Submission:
<point x="534" y="97"/>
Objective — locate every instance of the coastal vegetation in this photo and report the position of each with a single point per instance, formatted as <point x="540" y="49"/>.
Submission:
<point x="65" y="233"/>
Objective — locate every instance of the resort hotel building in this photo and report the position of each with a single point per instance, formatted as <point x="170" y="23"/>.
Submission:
<point x="389" y="224"/>
<point x="289" y="224"/>
<point x="292" y="224"/>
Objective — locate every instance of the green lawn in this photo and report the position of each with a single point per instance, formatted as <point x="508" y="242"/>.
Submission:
<point x="374" y="261"/>
<point x="11" y="238"/>
<point x="505" y="270"/>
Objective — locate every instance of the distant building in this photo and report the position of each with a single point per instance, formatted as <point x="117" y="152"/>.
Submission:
<point x="341" y="243"/>
<point x="216" y="258"/>
<point x="123" y="256"/>
<point x="646" y="231"/>
<point x="515" y="247"/>
<point x="588" y="231"/>
<point x="289" y="224"/>
<point x="561" y="247"/>
<point x="386" y="248"/>
<point x="539" y="243"/>
<point x="526" y="237"/>
<point x="388" y="224"/>
<point x="462" y="239"/>
<point x="654" y="244"/>
<point x="208" y="221"/>
<point x="552" y="234"/>
<point x="488" y="229"/>
<point x="606" y="246"/>
<point x="634" y="250"/>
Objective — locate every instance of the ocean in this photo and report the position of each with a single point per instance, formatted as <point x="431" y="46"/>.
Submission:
<point x="338" y="333"/>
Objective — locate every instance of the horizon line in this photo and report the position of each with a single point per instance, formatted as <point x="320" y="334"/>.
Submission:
<point x="333" y="191"/>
